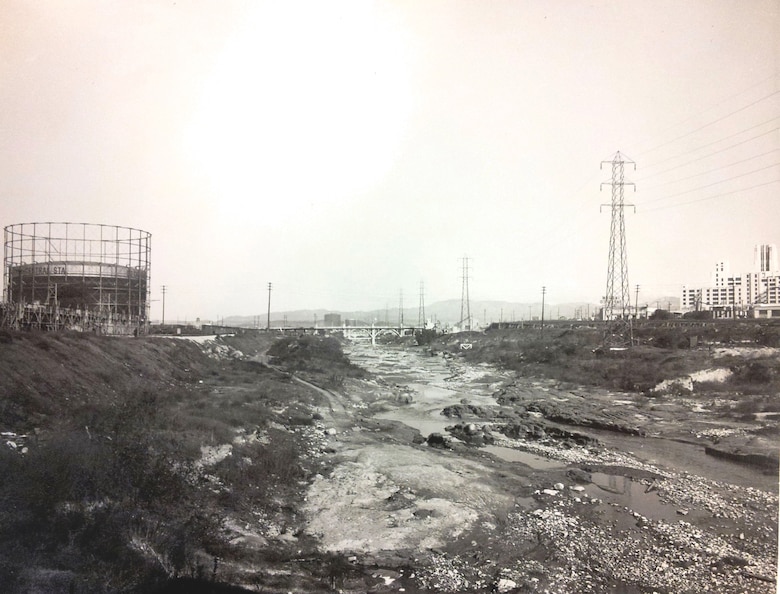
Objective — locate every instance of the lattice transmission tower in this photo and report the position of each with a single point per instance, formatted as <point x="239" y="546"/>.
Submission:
<point x="617" y="301"/>
<point x="465" y="304"/>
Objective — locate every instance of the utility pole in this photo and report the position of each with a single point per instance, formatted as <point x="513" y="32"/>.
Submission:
<point x="401" y="310"/>
<point x="544" y="290"/>
<point x="164" y="289"/>
<point x="465" y="303"/>
<point x="421" y="309"/>
<point x="636" y="303"/>
<point x="268" y="318"/>
<point x="616" y="299"/>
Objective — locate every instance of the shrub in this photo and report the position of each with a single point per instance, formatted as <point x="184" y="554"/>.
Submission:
<point x="319" y="358"/>
<point x="669" y="339"/>
<point x="755" y="372"/>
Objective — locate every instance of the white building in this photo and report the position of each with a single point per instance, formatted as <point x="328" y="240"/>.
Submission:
<point x="755" y="293"/>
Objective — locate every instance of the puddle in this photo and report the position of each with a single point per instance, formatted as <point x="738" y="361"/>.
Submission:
<point x="416" y="419"/>
<point x="527" y="458"/>
<point x="634" y="495"/>
<point x="691" y="457"/>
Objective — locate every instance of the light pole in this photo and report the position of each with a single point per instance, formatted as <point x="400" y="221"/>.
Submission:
<point x="544" y="290"/>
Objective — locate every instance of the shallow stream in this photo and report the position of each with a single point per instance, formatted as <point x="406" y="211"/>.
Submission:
<point x="435" y="383"/>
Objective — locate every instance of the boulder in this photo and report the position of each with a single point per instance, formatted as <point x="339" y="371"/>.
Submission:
<point x="437" y="440"/>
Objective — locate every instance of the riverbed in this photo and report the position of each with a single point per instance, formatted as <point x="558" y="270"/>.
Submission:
<point x="543" y="511"/>
<point x="435" y="382"/>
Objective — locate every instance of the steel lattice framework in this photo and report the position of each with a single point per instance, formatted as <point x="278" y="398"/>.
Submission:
<point x="465" y="302"/>
<point x="617" y="301"/>
<point x="76" y="275"/>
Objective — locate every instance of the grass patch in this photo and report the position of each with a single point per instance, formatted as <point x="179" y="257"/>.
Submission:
<point x="109" y="496"/>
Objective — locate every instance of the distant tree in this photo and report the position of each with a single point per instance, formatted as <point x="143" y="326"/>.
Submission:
<point x="425" y="336"/>
<point x="698" y="315"/>
<point x="661" y="314"/>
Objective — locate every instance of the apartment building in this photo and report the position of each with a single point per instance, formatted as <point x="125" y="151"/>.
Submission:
<point x="752" y="294"/>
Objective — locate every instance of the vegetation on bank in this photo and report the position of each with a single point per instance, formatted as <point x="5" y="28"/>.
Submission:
<point x="315" y="358"/>
<point x="576" y="355"/>
<point x="113" y="480"/>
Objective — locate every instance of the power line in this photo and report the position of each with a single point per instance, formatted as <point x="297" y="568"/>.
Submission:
<point x="715" y="121"/>
<point x="566" y="228"/>
<point x="772" y="77"/>
<point x="729" y="193"/>
<point x="674" y="181"/>
<point x="714" y="152"/>
<point x="712" y="184"/>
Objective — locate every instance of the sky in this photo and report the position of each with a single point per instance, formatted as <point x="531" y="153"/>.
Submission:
<point x="347" y="152"/>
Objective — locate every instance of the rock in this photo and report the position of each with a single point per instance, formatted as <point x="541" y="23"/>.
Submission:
<point x="437" y="440"/>
<point x="682" y="512"/>
<point x="558" y="486"/>
<point x="578" y="475"/>
<point x="331" y="431"/>
<point x="505" y="585"/>
<point x="549" y="491"/>
<point x="578" y="488"/>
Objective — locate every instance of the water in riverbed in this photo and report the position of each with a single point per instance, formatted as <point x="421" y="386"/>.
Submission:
<point x="437" y="383"/>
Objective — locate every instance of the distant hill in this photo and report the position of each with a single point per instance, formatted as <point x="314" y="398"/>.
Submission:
<point x="445" y="312"/>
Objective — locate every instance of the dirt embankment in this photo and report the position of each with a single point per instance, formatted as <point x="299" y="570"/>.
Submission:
<point x="132" y="461"/>
<point x="137" y="461"/>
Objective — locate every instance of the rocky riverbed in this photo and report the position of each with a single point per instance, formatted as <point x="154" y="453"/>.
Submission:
<point x="536" y="487"/>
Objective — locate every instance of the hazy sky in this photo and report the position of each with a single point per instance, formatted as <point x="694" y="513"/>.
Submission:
<point x="346" y="151"/>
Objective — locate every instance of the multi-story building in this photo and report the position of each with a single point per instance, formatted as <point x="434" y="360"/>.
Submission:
<point x="755" y="293"/>
<point x="332" y="319"/>
<point x="765" y="258"/>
